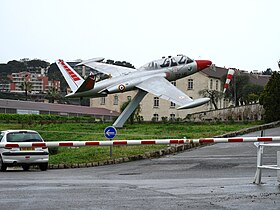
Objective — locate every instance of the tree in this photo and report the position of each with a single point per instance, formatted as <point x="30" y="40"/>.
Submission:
<point x="53" y="95"/>
<point x="235" y="91"/>
<point x="214" y="96"/>
<point x="268" y="71"/>
<point x="135" y="114"/>
<point x="270" y="98"/>
<point x="251" y="93"/>
<point x="55" y="74"/>
<point x="37" y="63"/>
<point x="26" y="86"/>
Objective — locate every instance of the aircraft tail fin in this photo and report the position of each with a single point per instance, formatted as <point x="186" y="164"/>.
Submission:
<point x="73" y="79"/>
<point x="88" y="84"/>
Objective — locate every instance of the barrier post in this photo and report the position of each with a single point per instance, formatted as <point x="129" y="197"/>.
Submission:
<point x="258" y="175"/>
<point x="278" y="166"/>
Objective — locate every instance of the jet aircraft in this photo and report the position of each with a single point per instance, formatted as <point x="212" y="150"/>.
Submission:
<point x="153" y="77"/>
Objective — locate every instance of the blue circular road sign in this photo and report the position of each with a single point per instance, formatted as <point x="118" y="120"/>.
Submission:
<point x="110" y="132"/>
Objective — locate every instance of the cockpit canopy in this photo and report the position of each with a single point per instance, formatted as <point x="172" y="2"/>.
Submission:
<point x="167" y="62"/>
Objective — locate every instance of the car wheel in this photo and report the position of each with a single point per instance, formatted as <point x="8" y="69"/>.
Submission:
<point x="43" y="166"/>
<point x="25" y="167"/>
<point x="3" y="166"/>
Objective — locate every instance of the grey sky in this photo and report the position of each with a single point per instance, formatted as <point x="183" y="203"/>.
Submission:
<point x="244" y="34"/>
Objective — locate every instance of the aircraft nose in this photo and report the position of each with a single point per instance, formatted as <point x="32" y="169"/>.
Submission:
<point x="202" y="64"/>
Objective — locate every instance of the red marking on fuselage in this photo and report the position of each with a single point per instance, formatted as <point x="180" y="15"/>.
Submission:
<point x="121" y="88"/>
<point x="167" y="75"/>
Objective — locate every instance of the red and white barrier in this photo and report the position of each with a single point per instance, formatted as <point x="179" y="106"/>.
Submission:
<point x="137" y="142"/>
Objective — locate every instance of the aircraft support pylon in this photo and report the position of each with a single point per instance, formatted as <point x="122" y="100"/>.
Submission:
<point x="129" y="109"/>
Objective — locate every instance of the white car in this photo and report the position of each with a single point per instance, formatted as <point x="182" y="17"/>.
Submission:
<point x="25" y="156"/>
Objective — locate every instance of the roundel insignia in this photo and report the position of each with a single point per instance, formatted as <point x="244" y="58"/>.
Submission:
<point x="121" y="88"/>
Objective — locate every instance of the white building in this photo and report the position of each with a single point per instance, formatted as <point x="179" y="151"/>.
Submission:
<point x="39" y="82"/>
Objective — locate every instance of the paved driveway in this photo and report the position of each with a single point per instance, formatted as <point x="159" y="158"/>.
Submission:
<point x="218" y="176"/>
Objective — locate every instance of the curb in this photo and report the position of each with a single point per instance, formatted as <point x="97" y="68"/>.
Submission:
<point x="167" y="151"/>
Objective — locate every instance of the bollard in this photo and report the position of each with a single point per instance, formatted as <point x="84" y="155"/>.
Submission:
<point x="278" y="166"/>
<point x="258" y="175"/>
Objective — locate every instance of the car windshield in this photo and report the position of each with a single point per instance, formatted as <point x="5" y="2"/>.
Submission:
<point x="24" y="137"/>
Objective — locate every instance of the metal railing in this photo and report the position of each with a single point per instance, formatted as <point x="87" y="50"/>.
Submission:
<point x="260" y="165"/>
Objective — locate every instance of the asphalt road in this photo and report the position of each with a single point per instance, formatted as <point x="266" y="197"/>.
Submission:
<point x="218" y="176"/>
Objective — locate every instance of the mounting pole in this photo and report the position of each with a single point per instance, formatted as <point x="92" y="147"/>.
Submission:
<point x="129" y="109"/>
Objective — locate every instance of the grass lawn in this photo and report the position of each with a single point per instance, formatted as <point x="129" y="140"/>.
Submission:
<point x="94" y="132"/>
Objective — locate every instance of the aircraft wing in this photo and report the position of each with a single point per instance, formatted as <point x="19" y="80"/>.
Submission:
<point x="162" y="88"/>
<point x="109" y="69"/>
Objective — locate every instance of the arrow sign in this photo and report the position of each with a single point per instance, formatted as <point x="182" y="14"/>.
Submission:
<point x="110" y="132"/>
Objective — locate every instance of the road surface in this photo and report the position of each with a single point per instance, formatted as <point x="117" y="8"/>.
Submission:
<point x="218" y="176"/>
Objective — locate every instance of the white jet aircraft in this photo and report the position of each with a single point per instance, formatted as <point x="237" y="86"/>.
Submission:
<point x="153" y="77"/>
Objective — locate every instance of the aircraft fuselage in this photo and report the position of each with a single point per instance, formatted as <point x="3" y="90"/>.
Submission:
<point x="129" y="81"/>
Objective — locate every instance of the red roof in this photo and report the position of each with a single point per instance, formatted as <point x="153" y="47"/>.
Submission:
<point x="60" y="108"/>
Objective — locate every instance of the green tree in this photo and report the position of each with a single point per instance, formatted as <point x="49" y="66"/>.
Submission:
<point x="26" y="86"/>
<point x="214" y="96"/>
<point x="16" y="66"/>
<point x="235" y="91"/>
<point x="37" y="63"/>
<point x="267" y="72"/>
<point x="55" y="74"/>
<point x="53" y="95"/>
<point x="135" y="114"/>
<point x="251" y="93"/>
<point x="270" y="98"/>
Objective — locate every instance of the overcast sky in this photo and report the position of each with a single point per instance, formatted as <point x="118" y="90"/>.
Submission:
<point x="244" y="34"/>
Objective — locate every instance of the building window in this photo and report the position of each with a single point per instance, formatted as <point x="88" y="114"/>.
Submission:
<point x="211" y="84"/>
<point x="217" y="85"/>
<point x="172" y="117"/>
<point x="116" y="100"/>
<point x="156" y="102"/>
<point x="172" y="105"/>
<point x="102" y="101"/>
<point x="155" y="117"/>
<point x="190" y="84"/>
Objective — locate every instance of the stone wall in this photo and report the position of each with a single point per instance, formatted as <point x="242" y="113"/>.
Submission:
<point x="250" y="112"/>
